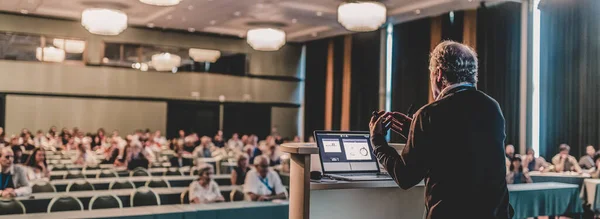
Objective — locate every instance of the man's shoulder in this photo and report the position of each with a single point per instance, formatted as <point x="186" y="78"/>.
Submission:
<point x="18" y="168"/>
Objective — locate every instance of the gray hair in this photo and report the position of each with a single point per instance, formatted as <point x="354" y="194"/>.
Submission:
<point x="457" y="61"/>
<point x="259" y="159"/>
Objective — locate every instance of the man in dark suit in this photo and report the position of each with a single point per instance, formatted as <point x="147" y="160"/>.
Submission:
<point x="179" y="161"/>
<point x="455" y="143"/>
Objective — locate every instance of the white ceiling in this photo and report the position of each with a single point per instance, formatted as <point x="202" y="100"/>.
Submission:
<point x="302" y="20"/>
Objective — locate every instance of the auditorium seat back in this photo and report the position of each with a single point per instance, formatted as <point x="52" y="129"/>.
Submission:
<point x="121" y="184"/>
<point x="80" y="185"/>
<point x="42" y="186"/>
<point x="105" y="201"/>
<point x="185" y="197"/>
<point x="173" y="171"/>
<point x="65" y="203"/>
<point x="158" y="183"/>
<point x="11" y="206"/>
<point x="144" y="196"/>
<point x="74" y="175"/>
<point x="106" y="174"/>
<point x="139" y="172"/>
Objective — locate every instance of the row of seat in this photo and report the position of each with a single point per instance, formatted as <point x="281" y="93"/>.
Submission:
<point x="134" y="173"/>
<point x="143" y="196"/>
<point x="84" y="185"/>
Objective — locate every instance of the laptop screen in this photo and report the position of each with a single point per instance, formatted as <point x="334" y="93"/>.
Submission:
<point x="346" y="152"/>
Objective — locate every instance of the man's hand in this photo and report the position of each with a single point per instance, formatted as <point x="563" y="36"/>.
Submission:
<point x="398" y="122"/>
<point x="401" y="124"/>
<point x="563" y="156"/>
<point x="8" y="193"/>
<point x="264" y="198"/>
<point x="377" y="126"/>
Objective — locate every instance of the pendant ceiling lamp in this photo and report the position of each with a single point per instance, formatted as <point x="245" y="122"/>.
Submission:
<point x="104" y="21"/>
<point x="265" y="39"/>
<point x="362" y="16"/>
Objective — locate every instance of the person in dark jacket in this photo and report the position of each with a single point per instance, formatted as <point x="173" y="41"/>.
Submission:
<point x="179" y="161"/>
<point x="461" y="122"/>
<point x="136" y="157"/>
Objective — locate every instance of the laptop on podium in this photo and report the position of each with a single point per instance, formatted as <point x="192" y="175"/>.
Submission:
<point x="347" y="155"/>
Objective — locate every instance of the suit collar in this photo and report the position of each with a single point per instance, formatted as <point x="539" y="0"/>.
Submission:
<point x="455" y="88"/>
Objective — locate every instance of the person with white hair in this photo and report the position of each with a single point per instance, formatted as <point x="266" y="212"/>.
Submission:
<point x="13" y="178"/>
<point x="263" y="183"/>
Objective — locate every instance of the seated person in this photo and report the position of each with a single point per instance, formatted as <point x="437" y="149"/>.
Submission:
<point x="263" y="183"/>
<point x="532" y="163"/>
<point x="238" y="175"/>
<point x="509" y="151"/>
<point x="587" y="161"/>
<point x="235" y="143"/>
<point x="274" y="155"/>
<point x="205" y="190"/>
<point x="37" y="166"/>
<point x="18" y="153"/>
<point x="179" y="161"/>
<point x="112" y="153"/>
<point x="203" y="150"/>
<point x="563" y="162"/>
<point x="84" y="155"/>
<point x="218" y="141"/>
<point x="596" y="173"/>
<point x="517" y="175"/>
<point x="189" y="145"/>
<point x="136" y="158"/>
<point x="13" y="178"/>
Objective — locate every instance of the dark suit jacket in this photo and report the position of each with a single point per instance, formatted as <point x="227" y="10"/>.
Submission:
<point x="186" y="162"/>
<point x="457" y="145"/>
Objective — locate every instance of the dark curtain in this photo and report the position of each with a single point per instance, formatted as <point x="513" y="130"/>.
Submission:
<point x="569" y="75"/>
<point x="314" y="86"/>
<point x="246" y="119"/>
<point x="364" y="97"/>
<point x="452" y="27"/>
<point x="198" y="117"/>
<point x="498" y="48"/>
<point x="338" y="75"/>
<point x="410" y="74"/>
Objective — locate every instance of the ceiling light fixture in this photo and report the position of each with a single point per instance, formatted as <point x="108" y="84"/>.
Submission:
<point x="161" y="2"/>
<point x="49" y="54"/>
<point x="150" y="25"/>
<point x="417" y="11"/>
<point x="319" y="13"/>
<point x="23" y="11"/>
<point x="165" y="61"/>
<point x="104" y="21"/>
<point x="362" y="16"/>
<point x="70" y="46"/>
<point x="265" y="39"/>
<point x="191" y="29"/>
<point x="237" y="13"/>
<point x="204" y="55"/>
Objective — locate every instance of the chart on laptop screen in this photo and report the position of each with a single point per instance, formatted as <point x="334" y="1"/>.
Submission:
<point x="346" y="152"/>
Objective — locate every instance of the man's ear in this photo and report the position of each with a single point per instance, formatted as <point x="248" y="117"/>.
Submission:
<point x="439" y="76"/>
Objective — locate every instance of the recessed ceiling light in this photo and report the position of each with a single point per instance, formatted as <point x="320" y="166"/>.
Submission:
<point x="417" y="11"/>
<point x="150" y="25"/>
<point x="191" y="29"/>
<point x="213" y="22"/>
<point x="23" y="11"/>
<point x="183" y="19"/>
<point x="470" y="0"/>
<point x="319" y="13"/>
<point x="237" y="13"/>
<point x="191" y="7"/>
<point x="314" y="34"/>
<point x="294" y="20"/>
<point x="169" y="17"/>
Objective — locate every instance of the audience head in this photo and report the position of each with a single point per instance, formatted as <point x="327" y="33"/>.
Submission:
<point x="244" y="139"/>
<point x="181" y="133"/>
<point x="1" y="131"/>
<point x="564" y="149"/>
<point x="515" y="163"/>
<point x="235" y="136"/>
<point x="530" y="152"/>
<point x="204" y="175"/>
<point x="261" y="163"/>
<point x="451" y="63"/>
<point x="100" y="132"/>
<point x="590" y="150"/>
<point x="220" y="133"/>
<point x="311" y="139"/>
<point x="157" y="133"/>
<point x="242" y="161"/>
<point x="115" y="133"/>
<point x="37" y="156"/>
<point x="218" y="138"/>
<point x="17" y="153"/>
<point x="510" y="150"/>
<point x="297" y="139"/>
<point x="7" y="157"/>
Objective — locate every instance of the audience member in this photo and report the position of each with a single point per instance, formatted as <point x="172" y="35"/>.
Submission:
<point x="245" y="140"/>
<point x="37" y="166"/>
<point x="203" y="150"/>
<point x="160" y="140"/>
<point x="189" y="145"/>
<point x="238" y="175"/>
<point x="564" y="162"/>
<point x="218" y="141"/>
<point x="179" y="161"/>
<point x="52" y="132"/>
<point x="112" y="153"/>
<point x="517" y="174"/>
<point x="274" y="155"/>
<point x="586" y="162"/>
<point x="205" y="190"/>
<point x="2" y="137"/>
<point x="99" y="139"/>
<point x="136" y="158"/>
<point x="13" y="178"/>
<point x="18" y="154"/>
<point x="262" y="183"/>
<point x="311" y="139"/>
<point x="84" y="155"/>
<point x="235" y="143"/>
<point x="297" y="139"/>
<point x="532" y="163"/>
<point x="596" y="173"/>
<point x="509" y="154"/>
